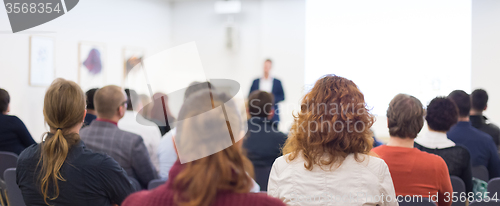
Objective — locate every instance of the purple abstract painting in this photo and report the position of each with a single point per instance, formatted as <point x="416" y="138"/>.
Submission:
<point x="93" y="62"/>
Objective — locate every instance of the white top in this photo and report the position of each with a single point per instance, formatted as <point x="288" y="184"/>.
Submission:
<point x="266" y="84"/>
<point x="166" y="153"/>
<point x="352" y="184"/>
<point x="434" y="140"/>
<point x="150" y="134"/>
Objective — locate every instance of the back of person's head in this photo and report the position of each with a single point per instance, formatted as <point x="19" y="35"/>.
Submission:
<point x="63" y="110"/>
<point x="462" y="100"/>
<point x="90" y="98"/>
<point x="260" y="103"/>
<point x="108" y="100"/>
<point x="479" y="99"/>
<point x="225" y="170"/>
<point x="441" y="114"/>
<point x="197" y="86"/>
<point x="132" y="99"/>
<point x="333" y="120"/>
<point x="147" y="105"/>
<point x="4" y="101"/>
<point x="405" y="116"/>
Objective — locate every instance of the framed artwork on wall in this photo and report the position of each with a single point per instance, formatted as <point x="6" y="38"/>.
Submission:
<point x="91" y="65"/>
<point x="42" y="61"/>
<point x="131" y="58"/>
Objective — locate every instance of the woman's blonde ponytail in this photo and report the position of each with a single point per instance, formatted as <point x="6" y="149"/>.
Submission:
<point x="64" y="108"/>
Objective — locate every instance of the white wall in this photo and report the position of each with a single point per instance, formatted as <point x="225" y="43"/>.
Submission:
<point x="276" y="29"/>
<point x="267" y="29"/>
<point x="486" y="53"/>
<point x="485" y="59"/>
<point x="117" y="23"/>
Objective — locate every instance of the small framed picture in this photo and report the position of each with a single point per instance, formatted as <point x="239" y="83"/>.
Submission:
<point x="42" y="61"/>
<point x="91" y="65"/>
<point x="131" y="58"/>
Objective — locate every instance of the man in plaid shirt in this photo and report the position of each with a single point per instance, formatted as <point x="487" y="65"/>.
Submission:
<point x="103" y="136"/>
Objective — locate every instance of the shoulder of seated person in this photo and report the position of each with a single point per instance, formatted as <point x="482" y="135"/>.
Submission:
<point x="137" y="197"/>
<point x="431" y="157"/>
<point x="93" y="158"/>
<point x="131" y="134"/>
<point x="282" y="162"/>
<point x="29" y="152"/>
<point x="374" y="164"/>
<point x="461" y="148"/>
<point x="12" y="119"/>
<point x="265" y="199"/>
<point x="482" y="136"/>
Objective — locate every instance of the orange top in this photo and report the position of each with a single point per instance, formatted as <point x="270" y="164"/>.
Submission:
<point x="415" y="172"/>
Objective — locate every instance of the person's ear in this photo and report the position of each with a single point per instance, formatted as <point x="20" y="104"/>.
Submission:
<point x="485" y="107"/>
<point x="8" y="108"/>
<point x="84" y="115"/>
<point x="271" y="114"/>
<point x="121" y="110"/>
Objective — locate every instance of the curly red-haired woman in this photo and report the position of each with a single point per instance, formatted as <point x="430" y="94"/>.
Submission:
<point x="326" y="157"/>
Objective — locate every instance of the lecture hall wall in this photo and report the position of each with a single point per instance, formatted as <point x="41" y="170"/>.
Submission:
<point x="266" y="28"/>
<point x="117" y="23"/>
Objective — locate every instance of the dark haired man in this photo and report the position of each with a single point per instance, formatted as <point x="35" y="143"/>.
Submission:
<point x="441" y="115"/>
<point x="263" y="143"/>
<point x="479" y="100"/>
<point x="91" y="113"/>
<point x="481" y="147"/>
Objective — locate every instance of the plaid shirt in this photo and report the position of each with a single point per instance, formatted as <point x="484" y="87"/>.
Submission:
<point x="126" y="148"/>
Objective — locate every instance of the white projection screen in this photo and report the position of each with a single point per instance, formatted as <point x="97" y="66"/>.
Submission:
<point x="417" y="47"/>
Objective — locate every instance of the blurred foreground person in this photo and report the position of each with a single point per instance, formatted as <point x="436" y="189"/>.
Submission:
<point x="214" y="179"/>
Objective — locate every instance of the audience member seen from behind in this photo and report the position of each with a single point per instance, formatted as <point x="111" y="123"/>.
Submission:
<point x="441" y="114"/>
<point x="327" y="151"/>
<point x="145" y="111"/>
<point x="158" y="110"/>
<point x="103" y="135"/>
<point x="414" y="172"/>
<point x="166" y="150"/>
<point x="91" y="113"/>
<point x="482" y="149"/>
<point x="14" y="136"/>
<point x="263" y="142"/>
<point x="479" y="100"/>
<point x="61" y="170"/>
<point x="139" y="125"/>
<point x="219" y="179"/>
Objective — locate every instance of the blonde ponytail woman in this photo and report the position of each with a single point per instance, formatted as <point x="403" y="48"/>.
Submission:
<point x="60" y="170"/>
